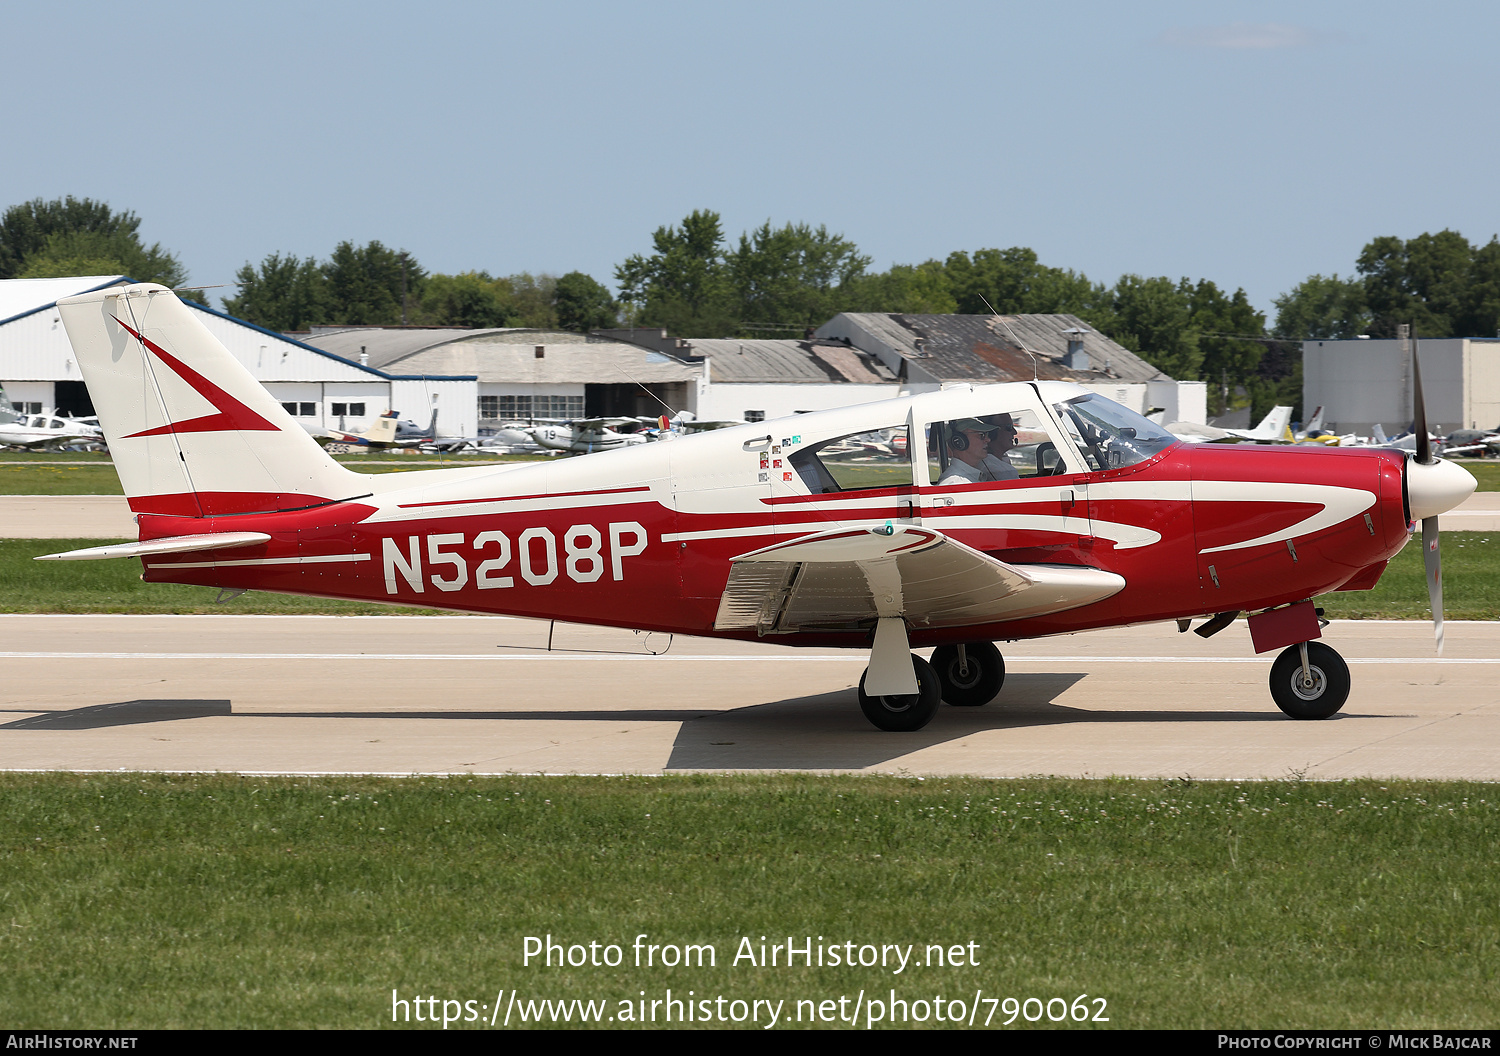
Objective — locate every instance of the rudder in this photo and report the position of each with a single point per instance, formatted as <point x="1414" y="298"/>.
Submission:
<point x="192" y="432"/>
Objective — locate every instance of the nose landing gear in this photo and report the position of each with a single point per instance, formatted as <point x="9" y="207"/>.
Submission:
<point x="1309" y="681"/>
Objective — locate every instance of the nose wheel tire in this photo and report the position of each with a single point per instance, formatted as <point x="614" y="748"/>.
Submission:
<point x="974" y="678"/>
<point x="1316" y="695"/>
<point x="905" y="712"/>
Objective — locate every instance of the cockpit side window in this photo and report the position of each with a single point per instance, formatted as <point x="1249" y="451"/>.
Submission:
<point x="875" y="459"/>
<point x="1007" y="445"/>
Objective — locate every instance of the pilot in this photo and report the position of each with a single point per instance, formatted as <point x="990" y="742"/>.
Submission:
<point x="968" y="447"/>
<point x="1002" y="439"/>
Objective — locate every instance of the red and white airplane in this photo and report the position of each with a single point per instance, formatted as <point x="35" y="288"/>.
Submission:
<point x="1012" y="511"/>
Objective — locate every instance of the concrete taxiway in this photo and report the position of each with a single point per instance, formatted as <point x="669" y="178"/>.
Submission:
<point x="484" y="695"/>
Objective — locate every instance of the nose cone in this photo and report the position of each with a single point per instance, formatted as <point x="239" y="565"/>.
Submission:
<point x="1437" y="488"/>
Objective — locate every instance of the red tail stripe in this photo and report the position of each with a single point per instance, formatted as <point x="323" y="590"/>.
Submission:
<point x="233" y="415"/>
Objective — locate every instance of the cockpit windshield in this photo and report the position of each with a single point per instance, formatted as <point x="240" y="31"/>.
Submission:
<point x="1109" y="436"/>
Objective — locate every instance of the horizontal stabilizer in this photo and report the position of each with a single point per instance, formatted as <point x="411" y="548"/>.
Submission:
<point x="176" y="544"/>
<point x="848" y="577"/>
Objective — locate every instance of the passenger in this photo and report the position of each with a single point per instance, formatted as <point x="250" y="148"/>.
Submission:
<point x="968" y="446"/>
<point x="1002" y="439"/>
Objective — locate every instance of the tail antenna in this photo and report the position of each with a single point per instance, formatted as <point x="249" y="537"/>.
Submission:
<point x="161" y="402"/>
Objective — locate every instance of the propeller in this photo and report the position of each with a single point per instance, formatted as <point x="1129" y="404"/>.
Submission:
<point x="1432" y="557"/>
<point x="1433" y="486"/>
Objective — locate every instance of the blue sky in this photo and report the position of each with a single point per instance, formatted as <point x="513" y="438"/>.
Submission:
<point x="1249" y="143"/>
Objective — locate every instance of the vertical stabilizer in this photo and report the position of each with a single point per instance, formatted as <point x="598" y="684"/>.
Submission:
<point x="191" y="430"/>
<point x="382" y="430"/>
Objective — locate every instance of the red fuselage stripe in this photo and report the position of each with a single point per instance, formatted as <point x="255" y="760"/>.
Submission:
<point x="519" y="498"/>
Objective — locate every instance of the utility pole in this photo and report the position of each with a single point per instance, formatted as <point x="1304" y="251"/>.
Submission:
<point x="403" y="287"/>
<point x="1403" y="338"/>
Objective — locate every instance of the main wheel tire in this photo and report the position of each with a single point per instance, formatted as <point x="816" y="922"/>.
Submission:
<point x="904" y="713"/>
<point x="974" y="683"/>
<point x="1329" y="688"/>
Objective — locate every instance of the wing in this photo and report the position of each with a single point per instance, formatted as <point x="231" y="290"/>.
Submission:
<point x="846" y="578"/>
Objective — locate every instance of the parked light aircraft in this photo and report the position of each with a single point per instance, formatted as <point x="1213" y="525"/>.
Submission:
<point x="389" y="430"/>
<point x="1274" y="428"/>
<point x="1020" y="510"/>
<point x="382" y="433"/>
<point x="1472" y="443"/>
<point x="48" y="430"/>
<point x="582" y="436"/>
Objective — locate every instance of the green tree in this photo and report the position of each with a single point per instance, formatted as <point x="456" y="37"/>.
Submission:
<point x="1154" y="318"/>
<point x="532" y="299"/>
<point x="794" y="276"/>
<point x="1481" y="307"/>
<point x="1014" y="281"/>
<point x="284" y="293"/>
<point x="364" y="284"/>
<point x="470" y="299"/>
<point x="70" y="236"/>
<point x="1422" y="281"/>
<point x="1322" y="308"/>
<point x="1227" y="329"/>
<point x="684" y="284"/>
<point x="915" y="289"/>
<point x="583" y="304"/>
<point x="26" y="228"/>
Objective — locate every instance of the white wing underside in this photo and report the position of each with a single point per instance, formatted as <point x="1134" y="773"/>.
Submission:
<point x="846" y="578"/>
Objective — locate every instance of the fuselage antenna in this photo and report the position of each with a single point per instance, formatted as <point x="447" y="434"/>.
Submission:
<point x="1035" y="374"/>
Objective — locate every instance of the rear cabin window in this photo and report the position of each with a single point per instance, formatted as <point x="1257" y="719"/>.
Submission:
<point x="858" y="461"/>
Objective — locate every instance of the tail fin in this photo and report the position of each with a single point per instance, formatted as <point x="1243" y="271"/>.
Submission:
<point x="382" y="430"/>
<point x="1274" y="426"/>
<point x="192" y="432"/>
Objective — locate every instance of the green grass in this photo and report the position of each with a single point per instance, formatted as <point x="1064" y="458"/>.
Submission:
<point x="1471" y="583"/>
<point x="54" y="456"/>
<point x="85" y="474"/>
<point x="1485" y="470"/>
<point x="115" y="586"/>
<point x="151" y="901"/>
<point x="25" y="478"/>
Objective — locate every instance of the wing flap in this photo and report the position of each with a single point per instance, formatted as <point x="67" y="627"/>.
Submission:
<point x="844" y="579"/>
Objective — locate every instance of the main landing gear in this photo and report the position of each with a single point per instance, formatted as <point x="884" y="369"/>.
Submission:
<point x="904" y="712"/>
<point x="966" y="676"/>
<point x="971" y="674"/>
<point x="1309" y="681"/>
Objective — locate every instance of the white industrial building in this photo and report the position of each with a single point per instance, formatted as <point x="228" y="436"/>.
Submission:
<point x="558" y="374"/>
<point x="38" y="372"/>
<point x="527" y="373"/>
<point x="1363" y="382"/>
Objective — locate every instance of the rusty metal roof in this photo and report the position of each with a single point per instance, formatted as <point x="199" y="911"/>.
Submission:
<point x="789" y="361"/>
<point x="987" y="348"/>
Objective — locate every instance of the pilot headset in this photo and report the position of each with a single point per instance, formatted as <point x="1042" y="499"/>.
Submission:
<point x="958" y="440"/>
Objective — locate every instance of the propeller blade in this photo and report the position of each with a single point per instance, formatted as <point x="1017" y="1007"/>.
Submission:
<point x="1432" y="561"/>
<point x="1419" y="409"/>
